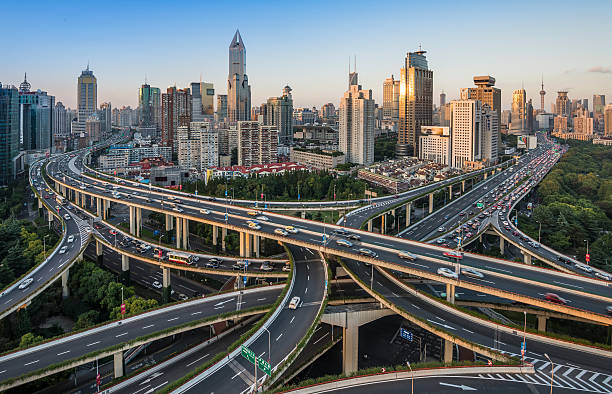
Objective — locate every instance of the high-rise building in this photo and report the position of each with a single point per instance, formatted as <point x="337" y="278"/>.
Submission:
<point x="278" y="112"/>
<point x="221" y="114"/>
<point x="608" y="120"/>
<point x="197" y="101"/>
<point x="415" y="102"/>
<point x="489" y="134"/>
<point x="563" y="105"/>
<point x="87" y="94"/>
<point x="599" y="103"/>
<point x="238" y="88"/>
<point x="585" y="104"/>
<point x="435" y="144"/>
<point x="198" y="146"/>
<point x="542" y="94"/>
<point x="391" y="89"/>
<point x="150" y="106"/>
<point x="176" y="111"/>
<point x="35" y="118"/>
<point x="465" y="132"/>
<point x="9" y="132"/>
<point x="529" y="116"/>
<point x="60" y="122"/>
<point x="257" y="144"/>
<point x="356" y="125"/>
<point x="485" y="91"/>
<point x="207" y="90"/>
<point x="105" y="117"/>
<point x="442" y="99"/>
<point x="518" y="122"/>
<point x="328" y="112"/>
<point x="583" y="124"/>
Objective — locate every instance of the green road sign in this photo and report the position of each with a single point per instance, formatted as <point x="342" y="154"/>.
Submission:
<point x="248" y="354"/>
<point x="264" y="366"/>
<point x="480" y="205"/>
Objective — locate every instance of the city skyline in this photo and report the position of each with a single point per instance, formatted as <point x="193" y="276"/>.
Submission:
<point x="181" y="62"/>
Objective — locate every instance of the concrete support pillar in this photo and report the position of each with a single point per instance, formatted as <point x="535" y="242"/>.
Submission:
<point x="256" y="248"/>
<point x="138" y="221"/>
<point x="132" y="220"/>
<point x="462" y="186"/>
<point x="370" y="225"/>
<point x="99" y="207"/>
<point x="65" y="289"/>
<point x="99" y="252"/>
<point x="408" y="212"/>
<point x="166" y="285"/>
<point x="169" y="223"/>
<point x="526" y="258"/>
<point x="485" y="175"/>
<point x="448" y="351"/>
<point x="450" y="293"/>
<point x="542" y="323"/>
<point x="77" y="198"/>
<point x="450" y="192"/>
<point x="242" y="243"/>
<point x="118" y="364"/>
<point x="179" y="232"/>
<point x="125" y="269"/>
<point x="430" y="202"/>
<point x="502" y="244"/>
<point x="107" y="209"/>
<point x="247" y="245"/>
<point x="50" y="217"/>
<point x="215" y="233"/>
<point x="350" y="349"/>
<point x="223" y="236"/>
<point x="383" y="224"/>
<point x="303" y="214"/>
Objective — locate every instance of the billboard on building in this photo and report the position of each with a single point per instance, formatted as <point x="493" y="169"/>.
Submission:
<point x="532" y="142"/>
<point x="521" y="141"/>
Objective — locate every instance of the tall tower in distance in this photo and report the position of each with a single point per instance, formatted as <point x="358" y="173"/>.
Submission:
<point x="442" y="99"/>
<point x="87" y="94"/>
<point x="542" y="94"/>
<point x="238" y="88"/>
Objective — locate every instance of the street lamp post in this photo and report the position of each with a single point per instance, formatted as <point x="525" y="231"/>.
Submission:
<point x="539" y="232"/>
<point x="587" y="252"/>
<point x="269" y="355"/>
<point x="552" y="372"/>
<point x="411" y="377"/>
<point x="524" y="347"/>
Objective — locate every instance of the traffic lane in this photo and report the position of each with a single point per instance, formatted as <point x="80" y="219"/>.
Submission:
<point x="472" y="330"/>
<point x="286" y="331"/>
<point x="175" y="369"/>
<point x="116" y="332"/>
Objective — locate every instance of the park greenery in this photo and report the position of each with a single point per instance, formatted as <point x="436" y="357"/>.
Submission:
<point x="384" y="147"/>
<point x="313" y="186"/>
<point x="574" y="205"/>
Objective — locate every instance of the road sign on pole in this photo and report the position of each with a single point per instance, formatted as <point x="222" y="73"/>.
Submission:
<point x="587" y="257"/>
<point x="407" y="335"/>
<point x="253" y="359"/>
<point x="264" y="366"/>
<point x="523" y="348"/>
<point x="248" y="354"/>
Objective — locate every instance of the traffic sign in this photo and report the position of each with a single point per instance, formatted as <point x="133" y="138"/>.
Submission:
<point x="479" y="205"/>
<point x="588" y="257"/>
<point x="248" y="354"/>
<point x="264" y="366"/>
<point x="98" y="379"/>
<point x="245" y="281"/>
<point x="523" y="348"/>
<point x="123" y="309"/>
<point x="407" y="335"/>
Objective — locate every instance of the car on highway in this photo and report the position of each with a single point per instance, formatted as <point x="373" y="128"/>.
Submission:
<point x="26" y="283"/>
<point x="213" y="263"/>
<point x="584" y="267"/>
<point x="367" y="252"/>
<point x="555" y="298"/>
<point x="263" y="218"/>
<point x="344" y="242"/>
<point x="354" y="237"/>
<point x="447" y="273"/>
<point x="341" y="231"/>
<point x="281" y="231"/>
<point x="609" y="309"/>
<point x="291" y="229"/>
<point x="67" y="217"/>
<point x="441" y="229"/>
<point x="112" y="232"/>
<point x="286" y="267"/>
<point x="294" y="303"/>
<point x="403" y="254"/>
<point x="266" y="266"/>
<point x="178" y="209"/>
<point x="182" y="297"/>
<point x="254" y="226"/>
<point x="70" y="238"/>
<point x="603" y="275"/>
<point x="454" y="254"/>
<point x="252" y="213"/>
<point x="204" y="211"/>
<point x="157" y="285"/>
<point x="63" y="249"/>
<point x="472" y="273"/>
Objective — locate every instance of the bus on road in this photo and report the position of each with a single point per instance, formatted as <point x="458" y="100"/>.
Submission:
<point x="180" y="257"/>
<point x="60" y="199"/>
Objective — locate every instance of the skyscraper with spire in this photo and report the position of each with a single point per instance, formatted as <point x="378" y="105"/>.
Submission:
<point x="238" y="88"/>
<point x="542" y="94"/>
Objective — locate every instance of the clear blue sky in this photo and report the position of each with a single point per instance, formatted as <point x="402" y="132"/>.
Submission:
<point x="307" y="45"/>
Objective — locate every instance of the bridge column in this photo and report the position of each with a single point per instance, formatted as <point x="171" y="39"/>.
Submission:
<point x="542" y="323"/>
<point x="247" y="245"/>
<point x="169" y="227"/>
<point x="256" y="241"/>
<point x="107" y="209"/>
<point x="125" y="269"/>
<point x="223" y="236"/>
<point x="370" y="225"/>
<point x="132" y="220"/>
<point x="501" y="245"/>
<point x="463" y="186"/>
<point x="185" y="234"/>
<point x="99" y="252"/>
<point x="50" y="217"/>
<point x="179" y="231"/>
<point x="526" y="258"/>
<point x="303" y="214"/>
<point x="450" y="192"/>
<point x="430" y="202"/>
<point x="65" y="289"/>
<point x="450" y="293"/>
<point x="215" y="233"/>
<point x="41" y="212"/>
<point x="77" y="198"/>
<point x="118" y="364"/>
<point x="166" y="285"/>
<point x="99" y="207"/>
<point x="485" y="175"/>
<point x="138" y="221"/>
<point x="408" y="212"/>
<point x="350" y="348"/>
<point x="383" y="223"/>
<point x="448" y="351"/>
<point x="242" y="243"/>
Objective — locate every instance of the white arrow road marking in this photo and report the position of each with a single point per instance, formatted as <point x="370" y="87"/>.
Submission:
<point x="459" y="386"/>
<point x="224" y="302"/>
<point x="153" y="376"/>
<point x="441" y="324"/>
<point x="155" y="388"/>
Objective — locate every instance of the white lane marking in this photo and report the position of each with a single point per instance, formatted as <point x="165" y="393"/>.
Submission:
<point x="498" y="269"/>
<point x="196" y="313"/>
<point x="315" y="342"/>
<point x="3" y="371"/>
<point x="219" y="307"/>
<point x="546" y="364"/>
<point x="441" y="324"/>
<point x="293" y="318"/>
<point x="415" y="306"/>
<point x="465" y="329"/>
<point x="279" y="337"/>
<point x="93" y="343"/>
<point x="144" y="388"/>
<point x="395" y="294"/>
<point x="261" y="299"/>
<point x="33" y="362"/>
<point x="193" y="362"/>
<point x="174" y="318"/>
<point x="262" y="353"/>
<point x="155" y="388"/>
<point x="120" y="335"/>
<point x="149" y="326"/>
<point x="567" y="284"/>
<point x="224" y="302"/>
<point x="306" y="291"/>
<point x="237" y="374"/>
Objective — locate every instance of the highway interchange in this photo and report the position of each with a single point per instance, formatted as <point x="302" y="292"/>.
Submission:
<point x="499" y="274"/>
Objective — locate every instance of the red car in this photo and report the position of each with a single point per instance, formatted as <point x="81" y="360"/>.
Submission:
<point x="453" y="254"/>
<point x="113" y="232"/>
<point x="552" y="297"/>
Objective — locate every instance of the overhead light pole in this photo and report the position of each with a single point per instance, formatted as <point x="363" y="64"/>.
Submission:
<point x="552" y="372"/>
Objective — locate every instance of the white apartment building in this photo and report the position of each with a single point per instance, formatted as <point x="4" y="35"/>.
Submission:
<point x="465" y="131"/>
<point x="490" y="135"/>
<point x="257" y="144"/>
<point x="356" y="126"/>
<point x="435" y="144"/>
<point x="197" y="146"/>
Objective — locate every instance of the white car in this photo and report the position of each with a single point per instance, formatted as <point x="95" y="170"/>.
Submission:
<point x="63" y="249"/>
<point x="70" y="238"/>
<point x="204" y="211"/>
<point x="291" y="229"/>
<point x="441" y="230"/>
<point x="157" y="285"/>
<point x="182" y="297"/>
<point x="280" y="231"/>
<point x="447" y="273"/>
<point x="263" y="218"/>
<point x="177" y="209"/>
<point x="603" y="275"/>
<point x="67" y="217"/>
<point x="344" y="242"/>
<point x="403" y="254"/>
<point x="26" y="283"/>
<point x="584" y="267"/>
<point x="472" y="273"/>
<point x="295" y="302"/>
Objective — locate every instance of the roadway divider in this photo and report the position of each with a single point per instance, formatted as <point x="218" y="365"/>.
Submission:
<point x="444" y="334"/>
<point x="509" y="330"/>
<point x="382" y="377"/>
